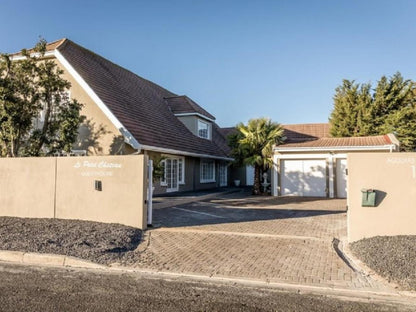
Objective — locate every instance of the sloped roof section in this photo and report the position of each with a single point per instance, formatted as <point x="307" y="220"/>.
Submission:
<point x="305" y="132"/>
<point x="139" y="104"/>
<point x="367" y="141"/>
<point x="184" y="105"/>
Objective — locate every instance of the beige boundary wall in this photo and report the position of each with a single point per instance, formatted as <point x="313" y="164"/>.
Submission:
<point x="64" y="188"/>
<point x="393" y="176"/>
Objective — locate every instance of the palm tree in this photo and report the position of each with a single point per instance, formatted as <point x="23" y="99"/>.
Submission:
<point x="253" y="145"/>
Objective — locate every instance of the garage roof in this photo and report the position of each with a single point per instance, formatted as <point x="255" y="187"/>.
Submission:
<point x="379" y="142"/>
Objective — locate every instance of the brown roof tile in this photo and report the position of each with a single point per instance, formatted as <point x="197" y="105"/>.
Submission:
<point x="379" y="140"/>
<point x="305" y="132"/>
<point x="139" y="104"/>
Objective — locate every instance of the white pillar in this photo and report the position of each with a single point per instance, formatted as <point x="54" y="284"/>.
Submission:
<point x="331" y="175"/>
<point x="274" y="180"/>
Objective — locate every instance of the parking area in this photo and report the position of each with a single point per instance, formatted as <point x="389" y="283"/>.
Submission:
<point x="264" y="238"/>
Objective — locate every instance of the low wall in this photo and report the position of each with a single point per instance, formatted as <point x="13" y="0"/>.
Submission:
<point x="393" y="177"/>
<point x="65" y="188"/>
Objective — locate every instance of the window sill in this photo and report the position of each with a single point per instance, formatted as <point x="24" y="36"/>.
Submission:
<point x="207" y="181"/>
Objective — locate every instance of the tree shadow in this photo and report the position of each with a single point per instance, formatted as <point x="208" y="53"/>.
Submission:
<point x="117" y="146"/>
<point x="89" y="135"/>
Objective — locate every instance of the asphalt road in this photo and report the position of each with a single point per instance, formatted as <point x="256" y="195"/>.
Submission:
<point x="26" y="288"/>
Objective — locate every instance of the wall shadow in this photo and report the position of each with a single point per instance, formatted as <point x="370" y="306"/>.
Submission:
<point x="197" y="214"/>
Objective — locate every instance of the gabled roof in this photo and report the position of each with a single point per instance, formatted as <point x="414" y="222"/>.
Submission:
<point x="305" y="132"/>
<point x="138" y="104"/>
<point x="184" y="105"/>
<point x="310" y="137"/>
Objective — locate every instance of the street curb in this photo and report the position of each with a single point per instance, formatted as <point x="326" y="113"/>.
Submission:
<point x="47" y="259"/>
<point x="53" y="260"/>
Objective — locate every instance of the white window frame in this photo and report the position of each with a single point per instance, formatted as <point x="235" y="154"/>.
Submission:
<point x="181" y="173"/>
<point x="208" y="125"/>
<point x="202" y="179"/>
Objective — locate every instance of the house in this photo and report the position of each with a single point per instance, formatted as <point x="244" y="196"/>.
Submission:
<point x="311" y="163"/>
<point x="127" y="114"/>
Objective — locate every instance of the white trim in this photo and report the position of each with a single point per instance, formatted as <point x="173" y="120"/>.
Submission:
<point x="177" y="152"/>
<point x="37" y="54"/>
<point x="194" y="114"/>
<point x="302" y="156"/>
<point x="274" y="178"/>
<point x="336" y="148"/>
<point x="128" y="137"/>
<point x="331" y="175"/>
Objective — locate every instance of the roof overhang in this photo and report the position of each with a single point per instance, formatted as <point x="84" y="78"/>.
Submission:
<point x="177" y="152"/>
<point x="389" y="147"/>
<point x="194" y="114"/>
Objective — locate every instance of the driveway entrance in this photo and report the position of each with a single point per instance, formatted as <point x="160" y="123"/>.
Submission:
<point x="272" y="239"/>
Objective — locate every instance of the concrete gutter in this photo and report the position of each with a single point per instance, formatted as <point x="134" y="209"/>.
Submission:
<point x="57" y="261"/>
<point x="47" y="259"/>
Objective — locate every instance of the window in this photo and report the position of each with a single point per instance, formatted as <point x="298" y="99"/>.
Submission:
<point x="203" y="129"/>
<point x="179" y="176"/>
<point x="207" y="171"/>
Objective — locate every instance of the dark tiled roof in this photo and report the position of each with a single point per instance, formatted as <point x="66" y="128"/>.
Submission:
<point x="184" y="105"/>
<point x="379" y="140"/>
<point x="138" y="104"/>
<point x="227" y="131"/>
<point x="305" y="132"/>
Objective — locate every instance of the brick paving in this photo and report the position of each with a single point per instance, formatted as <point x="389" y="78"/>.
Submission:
<point x="277" y="240"/>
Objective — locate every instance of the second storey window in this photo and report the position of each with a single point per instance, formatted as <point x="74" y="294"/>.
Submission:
<point x="203" y="129"/>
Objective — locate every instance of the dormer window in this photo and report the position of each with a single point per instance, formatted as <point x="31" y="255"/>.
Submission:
<point x="204" y="129"/>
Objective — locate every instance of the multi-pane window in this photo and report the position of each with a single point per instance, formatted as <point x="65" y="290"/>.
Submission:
<point x="207" y="171"/>
<point x="174" y="171"/>
<point x="203" y="129"/>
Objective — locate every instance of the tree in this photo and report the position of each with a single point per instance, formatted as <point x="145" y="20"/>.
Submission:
<point x="37" y="117"/>
<point x="253" y="143"/>
<point x="389" y="108"/>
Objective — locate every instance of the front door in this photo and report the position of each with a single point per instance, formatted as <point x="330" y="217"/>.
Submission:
<point x="172" y="175"/>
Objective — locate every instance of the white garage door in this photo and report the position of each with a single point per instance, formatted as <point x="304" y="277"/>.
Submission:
<point x="303" y="177"/>
<point x="341" y="178"/>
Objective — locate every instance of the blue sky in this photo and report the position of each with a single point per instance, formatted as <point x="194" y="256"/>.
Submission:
<point x="237" y="59"/>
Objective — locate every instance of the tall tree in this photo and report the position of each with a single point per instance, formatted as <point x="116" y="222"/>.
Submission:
<point x="37" y="117"/>
<point x="253" y="145"/>
<point x="389" y="108"/>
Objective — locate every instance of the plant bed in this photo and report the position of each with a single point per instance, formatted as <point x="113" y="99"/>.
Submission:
<point x="392" y="257"/>
<point x="94" y="241"/>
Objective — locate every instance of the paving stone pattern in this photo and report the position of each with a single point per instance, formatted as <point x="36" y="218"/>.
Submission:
<point x="276" y="240"/>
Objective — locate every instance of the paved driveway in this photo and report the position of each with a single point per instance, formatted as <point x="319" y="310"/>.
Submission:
<point x="237" y="235"/>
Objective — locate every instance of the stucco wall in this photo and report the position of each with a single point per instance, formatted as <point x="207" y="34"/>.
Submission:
<point x="393" y="176"/>
<point x="97" y="134"/>
<point x="65" y="188"/>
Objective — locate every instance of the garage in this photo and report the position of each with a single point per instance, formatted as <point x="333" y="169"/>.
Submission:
<point x="304" y="177"/>
<point x="312" y="164"/>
